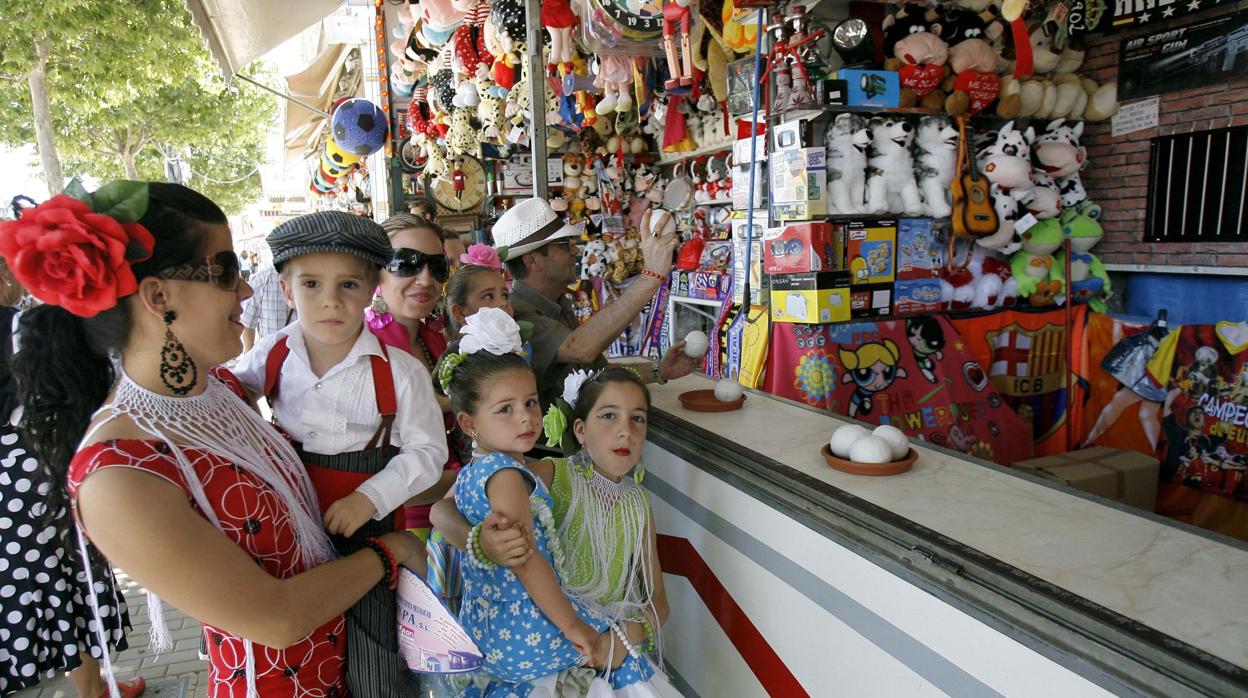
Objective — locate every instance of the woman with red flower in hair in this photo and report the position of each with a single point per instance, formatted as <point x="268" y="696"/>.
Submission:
<point x="170" y="473"/>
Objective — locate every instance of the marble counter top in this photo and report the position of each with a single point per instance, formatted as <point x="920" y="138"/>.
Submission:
<point x="1184" y="585"/>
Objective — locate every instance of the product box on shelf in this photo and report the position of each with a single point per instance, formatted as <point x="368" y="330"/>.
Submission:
<point x="871" y="88"/>
<point x="813" y="298"/>
<point x="759" y="282"/>
<point x="920" y="252"/>
<point x="1129" y="477"/>
<point x="741" y="174"/>
<point x="802" y="247"/>
<point x="917" y="297"/>
<point x="831" y="92"/>
<point x="706" y="285"/>
<point x="872" y="300"/>
<point x="799" y="184"/>
<point x="871" y="250"/>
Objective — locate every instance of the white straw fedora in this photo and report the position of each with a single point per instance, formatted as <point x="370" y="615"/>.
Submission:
<point x="528" y="225"/>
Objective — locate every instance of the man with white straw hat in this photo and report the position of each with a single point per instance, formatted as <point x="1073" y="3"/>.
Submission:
<point x="541" y="255"/>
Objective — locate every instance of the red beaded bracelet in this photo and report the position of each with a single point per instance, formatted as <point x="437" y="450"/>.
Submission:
<point x="391" y="578"/>
<point x="647" y="272"/>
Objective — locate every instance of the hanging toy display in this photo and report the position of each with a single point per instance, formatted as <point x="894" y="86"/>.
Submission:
<point x="360" y="127"/>
<point x="559" y="20"/>
<point x="676" y="16"/>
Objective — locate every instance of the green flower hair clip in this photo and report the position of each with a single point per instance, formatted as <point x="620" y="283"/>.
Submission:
<point x="447" y="367"/>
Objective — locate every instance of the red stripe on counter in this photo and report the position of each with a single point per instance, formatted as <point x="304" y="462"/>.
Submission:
<point x="679" y="557"/>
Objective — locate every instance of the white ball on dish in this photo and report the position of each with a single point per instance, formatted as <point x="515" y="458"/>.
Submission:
<point x="870" y="449"/>
<point x="843" y="438"/>
<point x="728" y="390"/>
<point x="696" y="344"/>
<point x="896" y="439"/>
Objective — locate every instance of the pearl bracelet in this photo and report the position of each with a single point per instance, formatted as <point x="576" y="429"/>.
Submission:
<point x="632" y="650"/>
<point x="474" y="549"/>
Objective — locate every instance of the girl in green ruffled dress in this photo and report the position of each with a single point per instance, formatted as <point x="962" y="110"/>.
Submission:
<point x="602" y="516"/>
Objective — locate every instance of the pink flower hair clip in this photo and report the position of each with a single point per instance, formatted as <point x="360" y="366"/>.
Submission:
<point x="482" y="255"/>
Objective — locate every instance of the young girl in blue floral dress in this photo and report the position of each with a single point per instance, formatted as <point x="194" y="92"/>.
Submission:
<point x="530" y="631"/>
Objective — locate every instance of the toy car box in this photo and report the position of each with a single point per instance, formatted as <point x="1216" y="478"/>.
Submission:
<point x="917" y="297"/>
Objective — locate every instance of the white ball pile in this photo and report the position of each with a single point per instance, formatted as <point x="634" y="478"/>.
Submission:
<point x="885" y="444"/>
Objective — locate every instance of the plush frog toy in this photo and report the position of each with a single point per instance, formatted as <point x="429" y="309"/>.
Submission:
<point x="1032" y="266"/>
<point x="1089" y="283"/>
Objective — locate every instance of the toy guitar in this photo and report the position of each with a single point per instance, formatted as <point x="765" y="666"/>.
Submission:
<point x="973" y="213"/>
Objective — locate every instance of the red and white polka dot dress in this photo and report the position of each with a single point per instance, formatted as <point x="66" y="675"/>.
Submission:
<point x="256" y="518"/>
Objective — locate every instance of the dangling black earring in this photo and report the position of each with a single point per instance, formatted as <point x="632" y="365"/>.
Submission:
<point x="177" y="370"/>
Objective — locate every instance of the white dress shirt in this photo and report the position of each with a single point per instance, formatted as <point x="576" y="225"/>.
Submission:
<point x="337" y="413"/>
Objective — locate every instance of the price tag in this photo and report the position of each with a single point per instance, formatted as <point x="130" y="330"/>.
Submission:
<point x="1027" y="222"/>
<point x="518" y="135"/>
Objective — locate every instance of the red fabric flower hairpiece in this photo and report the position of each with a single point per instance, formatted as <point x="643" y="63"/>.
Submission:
<point x="75" y="250"/>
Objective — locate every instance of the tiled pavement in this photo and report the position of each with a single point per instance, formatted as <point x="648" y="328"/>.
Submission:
<point x="178" y="673"/>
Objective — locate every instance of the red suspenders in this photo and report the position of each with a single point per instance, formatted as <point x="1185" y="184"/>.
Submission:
<point x="383" y="386"/>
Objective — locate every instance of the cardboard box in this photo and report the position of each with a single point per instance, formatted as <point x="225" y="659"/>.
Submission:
<point x="831" y="92"/>
<point x="814" y="298"/>
<point x="802" y="247"/>
<point x="707" y="285"/>
<point x="799" y="184"/>
<point x="871" y="250"/>
<point x="871" y="88"/>
<point x="741" y="174"/>
<point x="920" y="250"/>
<point x="759" y="282"/>
<point x="874" y="300"/>
<point x="917" y="297"/>
<point x="1125" y="476"/>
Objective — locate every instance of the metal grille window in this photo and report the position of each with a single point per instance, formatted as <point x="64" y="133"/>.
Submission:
<point x="1197" y="184"/>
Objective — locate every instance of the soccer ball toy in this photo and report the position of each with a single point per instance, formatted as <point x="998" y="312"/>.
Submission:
<point x="340" y="158"/>
<point x="360" y="127"/>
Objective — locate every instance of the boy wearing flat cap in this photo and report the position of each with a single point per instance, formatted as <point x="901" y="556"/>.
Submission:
<point x="364" y="419"/>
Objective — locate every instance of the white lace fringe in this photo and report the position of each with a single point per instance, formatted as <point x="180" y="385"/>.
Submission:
<point x="106" y="659"/>
<point x="217" y="421"/>
<point x="595" y="501"/>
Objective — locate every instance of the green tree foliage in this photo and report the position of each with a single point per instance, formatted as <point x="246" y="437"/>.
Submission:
<point x="129" y="80"/>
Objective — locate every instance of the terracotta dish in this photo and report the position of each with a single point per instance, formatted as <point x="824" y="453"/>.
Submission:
<point x="853" y="468"/>
<point x="705" y="401"/>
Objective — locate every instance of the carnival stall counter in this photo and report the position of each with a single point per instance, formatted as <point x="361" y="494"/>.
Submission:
<point x="959" y="577"/>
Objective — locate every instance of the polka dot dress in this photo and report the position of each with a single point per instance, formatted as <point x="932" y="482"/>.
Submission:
<point x="45" y="617"/>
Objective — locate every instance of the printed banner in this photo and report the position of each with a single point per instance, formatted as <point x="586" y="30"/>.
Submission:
<point x="916" y="374"/>
<point x="1207" y="52"/>
<point x="1107" y="16"/>
<point x="1025" y="354"/>
<point x="431" y="641"/>
<point x="1114" y="415"/>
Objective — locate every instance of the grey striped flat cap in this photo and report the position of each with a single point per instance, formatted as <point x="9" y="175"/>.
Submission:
<point x="330" y="231"/>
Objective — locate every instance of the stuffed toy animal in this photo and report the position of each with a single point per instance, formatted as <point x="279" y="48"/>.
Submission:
<point x="974" y="62"/>
<point x="846" y="142"/>
<point x="1006" y="164"/>
<point x="461" y="139"/>
<point x="572" y="167"/>
<point x="935" y="154"/>
<point x="1046" y="201"/>
<point x="908" y="20"/>
<point x="1089" y="282"/>
<point x="615" y="79"/>
<point x="984" y="283"/>
<point x="1033" y="264"/>
<point x="919" y="56"/>
<point x="1060" y="154"/>
<point x="890" y="168"/>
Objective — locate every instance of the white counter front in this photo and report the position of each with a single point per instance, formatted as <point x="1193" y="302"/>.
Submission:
<point x="787" y="577"/>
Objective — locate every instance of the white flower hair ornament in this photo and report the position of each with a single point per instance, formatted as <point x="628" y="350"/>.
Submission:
<point x="559" y="415"/>
<point x="492" y="330"/>
<point x="489" y="329"/>
<point x="572" y="385"/>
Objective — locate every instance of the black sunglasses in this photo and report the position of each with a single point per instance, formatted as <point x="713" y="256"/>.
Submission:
<point x="221" y="270"/>
<point x="408" y="263"/>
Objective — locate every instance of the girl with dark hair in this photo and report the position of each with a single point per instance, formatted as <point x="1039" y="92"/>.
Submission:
<point x="478" y="283"/>
<point x="44" y="613"/>
<point x="534" y="635"/>
<point x="173" y="476"/>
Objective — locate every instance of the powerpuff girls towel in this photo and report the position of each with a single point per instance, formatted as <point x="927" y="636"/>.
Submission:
<point x="915" y="374"/>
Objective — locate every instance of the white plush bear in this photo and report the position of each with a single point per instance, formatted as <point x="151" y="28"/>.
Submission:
<point x="890" y="168"/>
<point x="935" y="157"/>
<point x="846" y="142"/>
